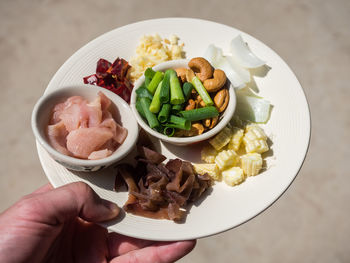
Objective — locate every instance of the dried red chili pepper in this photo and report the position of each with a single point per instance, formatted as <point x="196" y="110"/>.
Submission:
<point x="112" y="77"/>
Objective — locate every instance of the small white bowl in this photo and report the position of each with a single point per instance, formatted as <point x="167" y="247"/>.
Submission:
<point x="120" y="111"/>
<point x="226" y="117"/>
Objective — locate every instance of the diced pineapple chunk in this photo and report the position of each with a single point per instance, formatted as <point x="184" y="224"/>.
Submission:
<point x="255" y="139"/>
<point x="233" y="176"/>
<point x="226" y="159"/>
<point x="251" y="163"/>
<point x="208" y="154"/>
<point x="221" y="139"/>
<point x="210" y="168"/>
<point x="236" y="139"/>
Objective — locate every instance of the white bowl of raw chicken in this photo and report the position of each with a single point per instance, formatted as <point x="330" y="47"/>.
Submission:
<point x="121" y="113"/>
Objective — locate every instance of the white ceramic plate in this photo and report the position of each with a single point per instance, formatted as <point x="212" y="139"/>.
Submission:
<point x="224" y="207"/>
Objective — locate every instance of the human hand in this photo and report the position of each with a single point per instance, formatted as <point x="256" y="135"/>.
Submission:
<point x="59" y="225"/>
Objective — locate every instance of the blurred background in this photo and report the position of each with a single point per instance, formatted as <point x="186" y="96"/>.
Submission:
<point x="310" y="222"/>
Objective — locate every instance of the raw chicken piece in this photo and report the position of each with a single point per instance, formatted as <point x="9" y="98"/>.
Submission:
<point x="57" y="134"/>
<point x="82" y="142"/>
<point x="119" y="132"/>
<point x="85" y="129"/>
<point x="73" y="118"/>
<point x="99" y="154"/>
<point x="105" y="102"/>
<point x="94" y="111"/>
<point x="57" y="111"/>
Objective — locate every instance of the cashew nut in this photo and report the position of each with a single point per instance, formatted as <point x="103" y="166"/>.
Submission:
<point x="181" y="73"/>
<point x="210" y="123"/>
<point x="199" y="101"/>
<point x="221" y="99"/>
<point x="196" y="129"/>
<point x="214" y="121"/>
<point x="202" y="67"/>
<point x="191" y="105"/>
<point x="207" y="122"/>
<point x="217" y="82"/>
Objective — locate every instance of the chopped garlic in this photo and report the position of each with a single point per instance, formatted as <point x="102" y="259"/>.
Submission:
<point x="153" y="50"/>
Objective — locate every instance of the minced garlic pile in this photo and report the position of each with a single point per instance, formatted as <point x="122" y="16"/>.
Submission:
<point x="153" y="50"/>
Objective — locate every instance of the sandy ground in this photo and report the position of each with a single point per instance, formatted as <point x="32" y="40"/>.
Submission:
<point x="310" y="222"/>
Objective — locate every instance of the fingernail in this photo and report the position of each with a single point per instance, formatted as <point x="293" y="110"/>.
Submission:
<point x="111" y="206"/>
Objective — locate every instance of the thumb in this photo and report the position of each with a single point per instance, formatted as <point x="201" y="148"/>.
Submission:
<point x="67" y="202"/>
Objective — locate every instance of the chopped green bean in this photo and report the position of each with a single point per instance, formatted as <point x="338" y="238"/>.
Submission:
<point x="187" y="89"/>
<point x="175" y="109"/>
<point x="142" y="92"/>
<point x="165" y="90"/>
<point x="176" y="95"/>
<point x="202" y="91"/>
<point x="164" y="113"/>
<point x="149" y="73"/>
<point x="169" y="131"/>
<point x="147" y="81"/>
<point x="156" y="103"/>
<point x="178" y="122"/>
<point x="139" y="108"/>
<point x="152" y="86"/>
<point x="151" y="117"/>
<point x="200" y="113"/>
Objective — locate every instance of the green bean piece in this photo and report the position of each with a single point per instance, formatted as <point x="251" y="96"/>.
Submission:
<point x="142" y="92"/>
<point x="175" y="109"/>
<point x="202" y="91"/>
<point x="139" y="108"/>
<point x="169" y="131"/>
<point x="156" y="103"/>
<point x="151" y="117"/>
<point x="149" y="73"/>
<point x="200" y="113"/>
<point x="178" y="122"/>
<point x="165" y="90"/>
<point x="187" y="89"/>
<point x="147" y="81"/>
<point x="164" y="113"/>
<point x="176" y="95"/>
<point x="157" y="78"/>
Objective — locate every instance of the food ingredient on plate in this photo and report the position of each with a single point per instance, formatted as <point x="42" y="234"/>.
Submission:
<point x="237" y="64"/>
<point x="251" y="107"/>
<point x="234" y="154"/>
<point x="83" y="129"/>
<point x="153" y="50"/>
<point x="112" y="77"/>
<point x="244" y="56"/>
<point x="158" y="190"/>
<point x="185" y="101"/>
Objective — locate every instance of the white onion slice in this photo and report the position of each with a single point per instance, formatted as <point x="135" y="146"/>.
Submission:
<point x="213" y="54"/>
<point x="244" y="56"/>
<point x="242" y="72"/>
<point x="252" y="108"/>
<point x="235" y="79"/>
